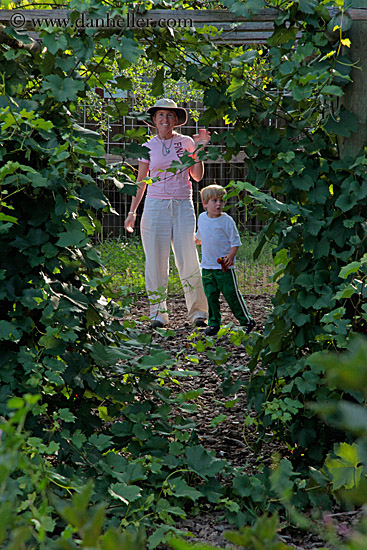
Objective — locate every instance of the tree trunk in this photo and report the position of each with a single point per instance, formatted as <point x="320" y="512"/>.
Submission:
<point x="355" y="98"/>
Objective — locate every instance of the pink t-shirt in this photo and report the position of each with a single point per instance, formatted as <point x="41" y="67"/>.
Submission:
<point x="167" y="185"/>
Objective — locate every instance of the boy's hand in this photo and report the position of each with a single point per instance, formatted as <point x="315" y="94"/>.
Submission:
<point x="196" y="240"/>
<point x="228" y="259"/>
<point x="225" y="262"/>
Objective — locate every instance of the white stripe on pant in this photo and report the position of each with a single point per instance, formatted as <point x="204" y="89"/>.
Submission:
<point x="165" y="223"/>
<point x="240" y="299"/>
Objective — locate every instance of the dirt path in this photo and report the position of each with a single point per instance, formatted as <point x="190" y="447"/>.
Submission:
<point x="228" y="438"/>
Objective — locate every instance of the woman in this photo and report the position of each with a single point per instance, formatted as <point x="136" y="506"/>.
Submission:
<point x="169" y="218"/>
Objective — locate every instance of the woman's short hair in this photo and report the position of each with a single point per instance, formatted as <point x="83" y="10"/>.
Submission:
<point x="212" y="192"/>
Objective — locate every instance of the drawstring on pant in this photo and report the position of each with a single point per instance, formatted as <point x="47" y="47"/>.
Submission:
<point x="171" y="204"/>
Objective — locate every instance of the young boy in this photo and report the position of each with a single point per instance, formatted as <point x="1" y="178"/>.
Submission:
<point x="217" y="233"/>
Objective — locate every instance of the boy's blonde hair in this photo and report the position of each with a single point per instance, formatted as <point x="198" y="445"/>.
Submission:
<point x="212" y="192"/>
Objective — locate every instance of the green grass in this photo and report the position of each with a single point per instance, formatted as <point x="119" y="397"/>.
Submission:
<point x="253" y="275"/>
<point x="124" y="261"/>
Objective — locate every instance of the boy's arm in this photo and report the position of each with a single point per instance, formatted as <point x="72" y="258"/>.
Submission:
<point x="197" y="235"/>
<point x="228" y="259"/>
<point x="233" y="237"/>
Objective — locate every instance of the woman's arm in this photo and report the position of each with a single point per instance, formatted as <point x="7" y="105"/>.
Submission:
<point x="142" y="174"/>
<point x="197" y="169"/>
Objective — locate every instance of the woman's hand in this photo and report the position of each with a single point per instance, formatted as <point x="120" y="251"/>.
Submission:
<point x="130" y="222"/>
<point x="202" y="138"/>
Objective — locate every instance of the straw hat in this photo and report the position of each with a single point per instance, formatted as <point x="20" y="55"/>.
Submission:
<point x="172" y="106"/>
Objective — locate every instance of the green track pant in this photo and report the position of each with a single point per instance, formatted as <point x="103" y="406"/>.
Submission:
<point x="215" y="282"/>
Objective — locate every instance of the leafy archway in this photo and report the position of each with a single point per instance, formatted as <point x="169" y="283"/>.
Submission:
<point x="95" y="388"/>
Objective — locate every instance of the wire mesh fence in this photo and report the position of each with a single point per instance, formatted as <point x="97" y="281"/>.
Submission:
<point x="116" y="136"/>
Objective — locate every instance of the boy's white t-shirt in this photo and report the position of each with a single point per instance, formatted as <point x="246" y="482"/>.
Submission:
<point x="217" y="236"/>
<point x="167" y="185"/>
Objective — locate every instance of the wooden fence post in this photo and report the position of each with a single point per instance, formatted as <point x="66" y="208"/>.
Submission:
<point x="355" y="98"/>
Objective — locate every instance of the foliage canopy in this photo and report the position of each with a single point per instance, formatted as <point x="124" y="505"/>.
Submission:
<point x="90" y="389"/>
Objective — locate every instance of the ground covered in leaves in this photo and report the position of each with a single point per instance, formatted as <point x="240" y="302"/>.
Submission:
<point x="220" y="428"/>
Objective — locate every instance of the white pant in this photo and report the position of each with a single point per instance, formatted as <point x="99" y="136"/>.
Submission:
<point x="165" y="223"/>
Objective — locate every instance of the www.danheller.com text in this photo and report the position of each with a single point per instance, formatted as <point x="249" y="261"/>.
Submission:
<point x="131" y="20"/>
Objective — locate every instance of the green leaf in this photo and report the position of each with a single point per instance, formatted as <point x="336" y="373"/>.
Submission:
<point x="155" y="360"/>
<point x="179" y="544"/>
<point x="5" y="228"/>
<point x="93" y="196"/>
<point x="130" y="49"/>
<point x="218" y="419"/>
<point x="160" y="535"/>
<point x="74" y="237"/>
<point x="165" y="509"/>
<point x="124" y="83"/>
<point x="344" y="125"/>
<point x="187" y="396"/>
<point x="125" y="493"/>
<point x="346" y="270"/>
<point x="244" y="9"/>
<point x="212" y="97"/>
<point x="307" y="382"/>
<point x="344" y="466"/>
<point x="78" y="439"/>
<point x="108" y="355"/>
<point x="346" y="201"/>
<point x="275" y="337"/>
<point x="248" y="57"/>
<point x="66" y="415"/>
<point x="9" y="332"/>
<point x="282" y="35"/>
<point x="356" y="496"/>
<point x="220" y="355"/>
<point x="181" y="489"/>
<point x="281" y="479"/>
<point x="314" y="225"/>
<point x="346" y="370"/>
<point x="345" y="292"/>
<point x="16" y="403"/>
<point x="54" y="42"/>
<point x="304" y="182"/>
<point x="7" y="218"/>
<point x="301" y="92"/>
<point x="201" y="74"/>
<point x="263" y="534"/>
<point x="202" y="462"/>
<point x="332" y="90"/>
<point x="100" y="441"/>
<point x="345" y="416"/>
<point x="63" y="89"/>
<point x="308" y="6"/>
<point x="235" y="89"/>
<point x="306" y="280"/>
<point x="157" y="86"/>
